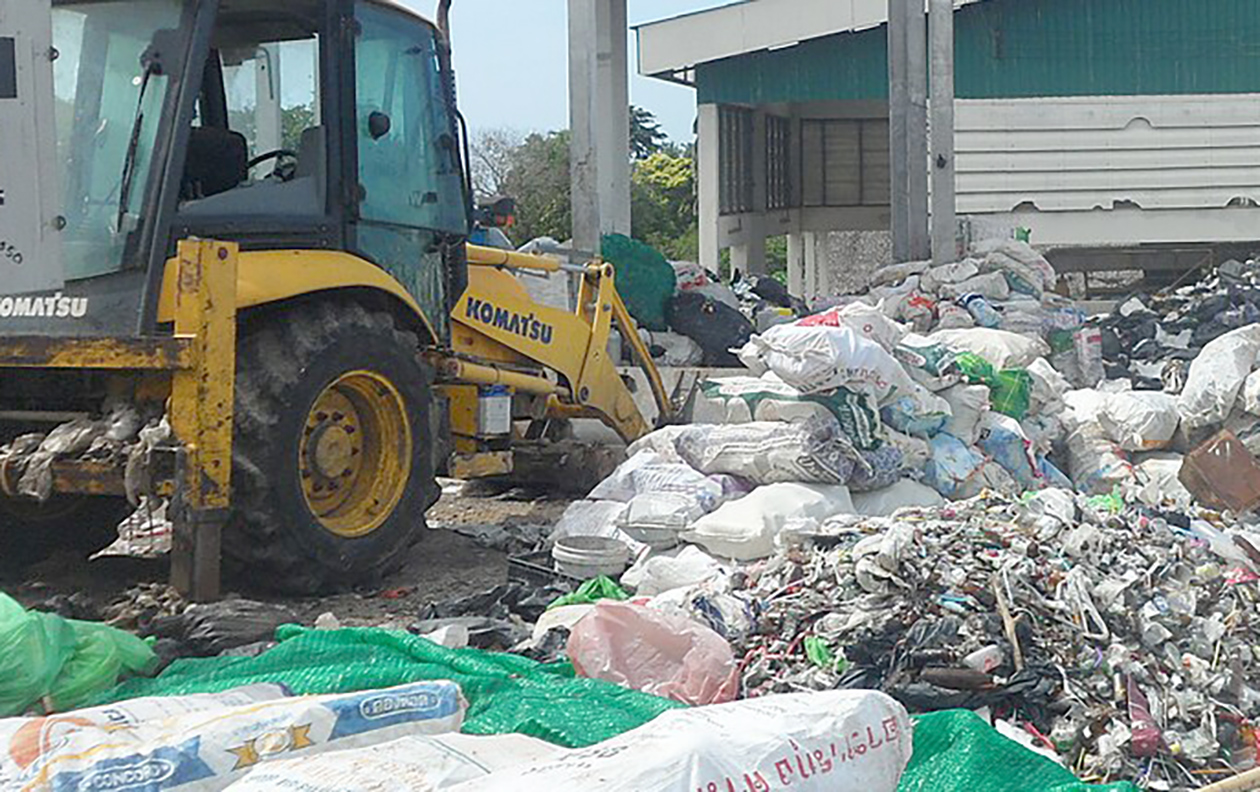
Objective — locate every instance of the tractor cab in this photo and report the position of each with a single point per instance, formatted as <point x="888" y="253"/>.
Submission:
<point x="278" y="124"/>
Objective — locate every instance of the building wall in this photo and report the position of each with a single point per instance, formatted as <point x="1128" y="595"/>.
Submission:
<point x="1114" y="170"/>
<point x="1157" y="152"/>
<point x="1024" y="48"/>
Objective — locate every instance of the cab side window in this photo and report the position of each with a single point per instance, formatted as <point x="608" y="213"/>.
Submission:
<point x="404" y="134"/>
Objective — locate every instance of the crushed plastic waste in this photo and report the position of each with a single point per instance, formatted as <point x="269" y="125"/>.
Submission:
<point x="1083" y="621"/>
<point x="1028" y="519"/>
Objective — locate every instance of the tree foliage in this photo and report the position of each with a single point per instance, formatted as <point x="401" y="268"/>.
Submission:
<point x="646" y="136"/>
<point x="534" y="170"/>
<point x="537" y="176"/>
<point x="491" y="153"/>
<point x="663" y="204"/>
<point x="293" y="122"/>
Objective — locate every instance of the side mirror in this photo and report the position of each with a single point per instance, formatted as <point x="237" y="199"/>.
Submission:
<point x="378" y="124"/>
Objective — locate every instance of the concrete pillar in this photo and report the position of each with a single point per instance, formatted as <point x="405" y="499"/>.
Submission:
<point x="917" y="132"/>
<point x="750" y="257"/>
<point x="599" y="120"/>
<point x="944" y="204"/>
<point x="796" y="264"/>
<point x="756" y="262"/>
<point x="708" y="183"/>
<point x="612" y="91"/>
<point x="898" y="121"/>
<point x="813" y="278"/>
<point x="268" y="124"/>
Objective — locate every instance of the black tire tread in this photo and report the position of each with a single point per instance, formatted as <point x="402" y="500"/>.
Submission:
<point x="272" y="354"/>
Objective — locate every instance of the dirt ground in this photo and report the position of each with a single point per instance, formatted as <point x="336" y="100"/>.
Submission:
<point x="444" y="564"/>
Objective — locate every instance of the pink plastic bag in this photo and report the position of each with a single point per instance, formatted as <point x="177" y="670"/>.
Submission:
<point x="664" y="653"/>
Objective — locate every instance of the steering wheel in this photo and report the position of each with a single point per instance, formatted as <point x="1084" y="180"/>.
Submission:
<point x="284" y="171"/>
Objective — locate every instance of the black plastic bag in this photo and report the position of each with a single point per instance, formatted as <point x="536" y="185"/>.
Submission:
<point x="716" y="327"/>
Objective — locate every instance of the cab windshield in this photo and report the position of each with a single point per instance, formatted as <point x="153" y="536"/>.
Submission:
<point x="108" y="105"/>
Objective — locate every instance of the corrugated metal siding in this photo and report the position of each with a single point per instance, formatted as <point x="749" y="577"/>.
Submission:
<point x="1025" y="48"/>
<point x="1063" y="154"/>
<point x="834" y="67"/>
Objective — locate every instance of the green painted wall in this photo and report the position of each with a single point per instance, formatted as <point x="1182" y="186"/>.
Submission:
<point x="1021" y="48"/>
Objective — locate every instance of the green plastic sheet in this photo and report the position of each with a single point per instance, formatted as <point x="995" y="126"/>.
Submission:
<point x="1010" y="390"/>
<point x="61" y="663"/>
<point x="957" y="751"/>
<point x="645" y="279"/>
<point x="505" y="692"/>
<point x="592" y="591"/>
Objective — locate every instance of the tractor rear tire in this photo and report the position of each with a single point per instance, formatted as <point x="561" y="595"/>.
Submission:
<point x="332" y="471"/>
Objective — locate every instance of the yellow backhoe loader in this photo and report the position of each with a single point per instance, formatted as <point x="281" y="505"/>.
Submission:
<point x="252" y="217"/>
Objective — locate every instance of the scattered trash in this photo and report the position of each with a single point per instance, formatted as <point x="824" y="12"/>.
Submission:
<point x="746" y="529"/>
<point x="1038" y="606"/>
<point x="592" y="591"/>
<point x="1222" y="474"/>
<point x="663" y="572"/>
<point x="590" y="556"/>
<point x="327" y="621"/>
<point x="146" y="533"/>
<point x="206" y="630"/>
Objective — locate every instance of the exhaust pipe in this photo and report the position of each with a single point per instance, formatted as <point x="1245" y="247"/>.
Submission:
<point x="444" y="20"/>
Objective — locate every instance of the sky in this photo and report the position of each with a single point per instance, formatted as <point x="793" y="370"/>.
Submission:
<point x="511" y="64"/>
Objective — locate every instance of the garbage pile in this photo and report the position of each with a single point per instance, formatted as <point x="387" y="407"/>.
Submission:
<point x="921" y="542"/>
<point x="933" y="490"/>
<point x="1119" y="639"/>
<point x="1151" y="339"/>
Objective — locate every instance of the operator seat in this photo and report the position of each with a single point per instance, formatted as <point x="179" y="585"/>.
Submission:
<point x="301" y="195"/>
<point x="217" y="162"/>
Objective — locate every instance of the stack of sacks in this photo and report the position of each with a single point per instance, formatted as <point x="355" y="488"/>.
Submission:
<point x="955" y="408"/>
<point x="1003" y="285"/>
<point x="961" y="409"/>
<point x="852" y="411"/>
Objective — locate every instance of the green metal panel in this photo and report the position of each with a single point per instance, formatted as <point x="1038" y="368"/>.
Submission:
<point x="1023" y="48"/>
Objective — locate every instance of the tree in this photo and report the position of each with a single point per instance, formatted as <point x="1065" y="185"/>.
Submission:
<point x="663" y="204"/>
<point x="535" y="172"/>
<point x="646" y="135"/>
<point x="537" y="176"/>
<point x="293" y="121"/>
<point x="492" y="152"/>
